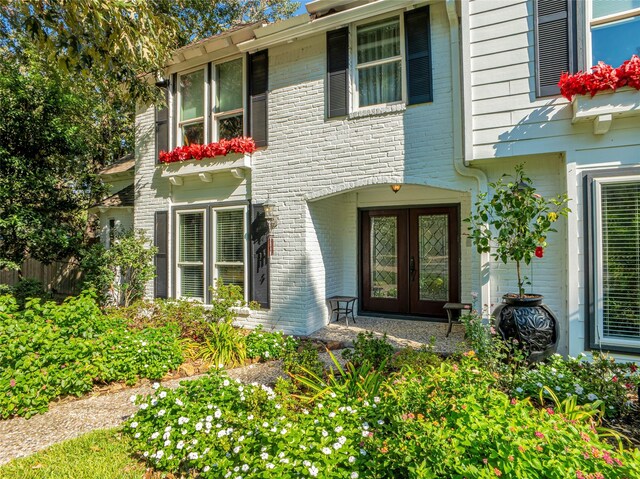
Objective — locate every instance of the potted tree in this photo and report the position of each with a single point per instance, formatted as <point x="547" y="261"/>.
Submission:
<point x="513" y="224"/>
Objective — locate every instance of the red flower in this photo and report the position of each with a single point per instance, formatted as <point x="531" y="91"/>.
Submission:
<point x="241" y="145"/>
<point x="602" y="77"/>
<point x="615" y="379"/>
<point x="539" y="252"/>
<point x="633" y="368"/>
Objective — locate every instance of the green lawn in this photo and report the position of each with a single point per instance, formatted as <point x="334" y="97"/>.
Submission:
<point x="100" y="454"/>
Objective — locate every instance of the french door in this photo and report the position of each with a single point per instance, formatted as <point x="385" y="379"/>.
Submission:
<point x="410" y="260"/>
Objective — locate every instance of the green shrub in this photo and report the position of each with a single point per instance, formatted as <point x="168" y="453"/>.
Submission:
<point x="224" y="346"/>
<point x="305" y="358"/>
<point x="599" y="379"/>
<point x="376" y="351"/>
<point x="50" y="350"/>
<point x="119" y="274"/>
<point x="415" y="359"/>
<point x="265" y="345"/>
<point x="26" y="289"/>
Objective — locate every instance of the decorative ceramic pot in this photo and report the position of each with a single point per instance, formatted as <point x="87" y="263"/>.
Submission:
<point x="530" y="322"/>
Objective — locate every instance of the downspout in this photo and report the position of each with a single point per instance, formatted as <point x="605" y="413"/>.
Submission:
<point x="461" y="119"/>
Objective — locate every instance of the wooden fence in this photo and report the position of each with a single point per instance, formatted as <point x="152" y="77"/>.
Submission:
<point x="59" y="277"/>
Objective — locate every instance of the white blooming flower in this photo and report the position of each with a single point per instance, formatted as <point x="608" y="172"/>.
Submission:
<point x="154" y="401"/>
<point x="179" y="403"/>
<point x="206" y="469"/>
<point x="592" y="397"/>
<point x="222" y="433"/>
<point x="380" y="421"/>
<point x="199" y="426"/>
<point x="167" y="443"/>
<point x="337" y="445"/>
<point x="136" y="435"/>
<point x="338" y="429"/>
<point x="352" y="459"/>
<point x="236" y="449"/>
<point x="539" y="384"/>
<point x="162" y="395"/>
<point x="342" y="439"/>
<point x="183" y="420"/>
<point x="245" y="467"/>
<point x="184" y="432"/>
<point x="250" y="417"/>
<point x="155" y="435"/>
<point x="313" y="471"/>
<point x="193" y="456"/>
<point x="159" y="454"/>
<point x="363" y="452"/>
<point x="579" y="389"/>
<point x="194" y="442"/>
<point x="134" y="425"/>
<point x="161" y="412"/>
<point x="167" y="429"/>
<point x="354" y="475"/>
<point x="180" y="445"/>
<point x="133" y="398"/>
<point x="326" y="450"/>
<point x="217" y="414"/>
<point x="558" y="388"/>
<point x="144" y="406"/>
<point x="324" y="433"/>
<point x="376" y="399"/>
<point x="519" y="389"/>
<point x="332" y="415"/>
<point x="306" y="463"/>
<point x="264" y="456"/>
<point x="269" y="466"/>
<point x="156" y="385"/>
<point x="225" y="383"/>
<point x="146" y="454"/>
<point x="208" y="418"/>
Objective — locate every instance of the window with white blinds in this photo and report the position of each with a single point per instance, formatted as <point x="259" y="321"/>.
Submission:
<point x="230" y="246"/>
<point x="618" y="261"/>
<point x="190" y="257"/>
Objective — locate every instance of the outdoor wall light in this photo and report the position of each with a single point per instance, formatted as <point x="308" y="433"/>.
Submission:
<point x="395" y="188"/>
<point x="269" y="214"/>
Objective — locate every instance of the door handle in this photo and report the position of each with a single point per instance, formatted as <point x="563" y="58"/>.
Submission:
<point x="412" y="268"/>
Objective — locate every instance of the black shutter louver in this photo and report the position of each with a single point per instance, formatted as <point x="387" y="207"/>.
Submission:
<point x="417" y="29"/>
<point x="259" y="253"/>
<point x="161" y="259"/>
<point x="337" y="72"/>
<point x="162" y="124"/>
<point x="258" y="97"/>
<point x="555" y="43"/>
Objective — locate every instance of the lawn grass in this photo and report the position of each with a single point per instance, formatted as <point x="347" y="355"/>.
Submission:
<point x="102" y="454"/>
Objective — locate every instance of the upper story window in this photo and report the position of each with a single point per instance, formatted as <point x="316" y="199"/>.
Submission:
<point x="217" y="99"/>
<point x="615" y="30"/>
<point x="379" y="62"/>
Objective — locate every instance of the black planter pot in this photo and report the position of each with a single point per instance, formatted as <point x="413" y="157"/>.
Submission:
<point x="530" y="322"/>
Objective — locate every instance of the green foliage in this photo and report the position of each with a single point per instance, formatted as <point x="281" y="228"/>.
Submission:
<point x="26" y="289"/>
<point x="265" y="345"/>
<point x="450" y="421"/>
<point x="102" y="454"/>
<point x="421" y="360"/>
<point x="299" y="361"/>
<point x="514" y="221"/>
<point x="52" y="350"/>
<point x="601" y="379"/>
<point x="368" y="348"/>
<point x="119" y="274"/>
<point x="224" y="346"/>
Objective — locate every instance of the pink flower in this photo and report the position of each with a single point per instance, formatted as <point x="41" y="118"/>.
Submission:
<point x="12" y="383"/>
<point x="539" y="435"/>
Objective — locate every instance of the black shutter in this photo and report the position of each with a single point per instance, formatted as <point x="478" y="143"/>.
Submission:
<point x="337" y="72"/>
<point x="161" y="260"/>
<point x="259" y="254"/>
<point x="417" y="29"/>
<point x="258" y="97"/>
<point x="162" y="125"/>
<point x="555" y="43"/>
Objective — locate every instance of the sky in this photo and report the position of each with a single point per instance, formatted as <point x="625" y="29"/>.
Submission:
<point x="302" y="4"/>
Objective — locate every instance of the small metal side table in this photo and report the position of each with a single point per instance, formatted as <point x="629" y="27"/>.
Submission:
<point x="342" y="305"/>
<point x="450" y="308"/>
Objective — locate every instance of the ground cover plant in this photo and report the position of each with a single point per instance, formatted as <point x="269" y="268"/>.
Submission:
<point x="449" y="421"/>
<point x="267" y="345"/>
<point x="54" y="350"/>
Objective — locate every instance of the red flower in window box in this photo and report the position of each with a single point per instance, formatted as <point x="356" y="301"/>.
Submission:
<point x="602" y="77"/>
<point x="240" y="145"/>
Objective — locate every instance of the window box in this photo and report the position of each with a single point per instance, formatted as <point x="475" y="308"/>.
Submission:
<point x="233" y="163"/>
<point x="602" y="108"/>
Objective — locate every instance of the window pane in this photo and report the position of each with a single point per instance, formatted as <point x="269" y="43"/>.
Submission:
<point x="379" y="40"/>
<point x="433" y="257"/>
<point x="193" y="133"/>
<point x="230" y="127"/>
<point x="620" y="269"/>
<point x="602" y="8"/>
<point x="229" y="86"/>
<point x="380" y="84"/>
<point x="191" y="237"/>
<point x="192" y="282"/>
<point x="614" y="43"/>
<point x="230" y="236"/>
<point x="232" y="275"/>
<point x="192" y="95"/>
<point x="384" y="257"/>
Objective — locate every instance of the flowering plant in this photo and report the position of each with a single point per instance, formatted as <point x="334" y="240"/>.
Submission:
<point x="211" y="150"/>
<point x="602" y="77"/>
<point x="514" y="223"/>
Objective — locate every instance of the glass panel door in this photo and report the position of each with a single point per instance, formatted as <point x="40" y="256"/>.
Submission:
<point x="384" y="257"/>
<point x="433" y="257"/>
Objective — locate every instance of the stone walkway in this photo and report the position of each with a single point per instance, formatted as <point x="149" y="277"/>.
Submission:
<point x="401" y="333"/>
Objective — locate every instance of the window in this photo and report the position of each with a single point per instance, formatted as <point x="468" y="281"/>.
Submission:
<point x="191" y="280"/>
<point x="191" y="99"/>
<point x="210" y="107"/>
<point x="203" y="258"/>
<point x="615" y="30"/>
<point x="379" y="62"/>
<point x="616" y="258"/>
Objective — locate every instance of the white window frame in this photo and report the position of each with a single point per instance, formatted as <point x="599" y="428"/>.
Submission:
<point x="595" y="22"/>
<point x="354" y="67"/>
<point x="205" y="254"/>
<point x="598" y="267"/>
<point x="212" y="95"/>
<point x="245" y="245"/>
<point x="206" y="95"/>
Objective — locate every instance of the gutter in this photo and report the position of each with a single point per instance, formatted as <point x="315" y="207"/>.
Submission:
<point x="462" y="127"/>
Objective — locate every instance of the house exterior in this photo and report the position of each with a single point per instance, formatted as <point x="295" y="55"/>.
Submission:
<point x="438" y="98"/>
